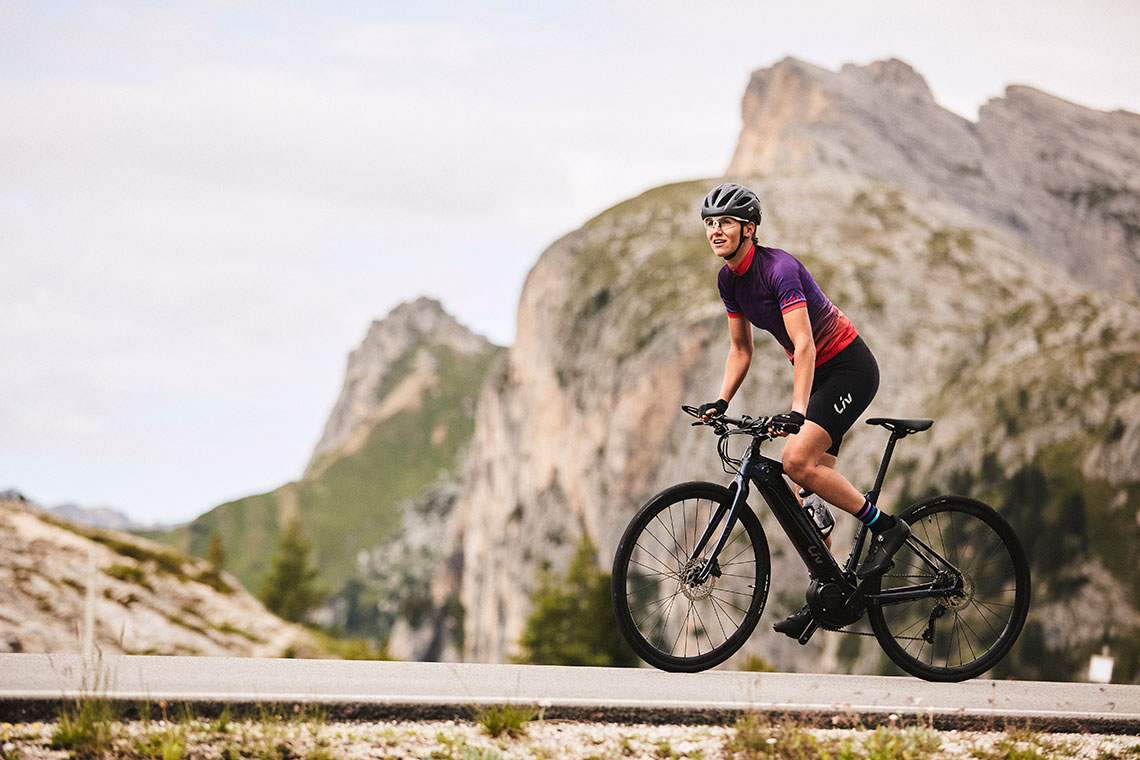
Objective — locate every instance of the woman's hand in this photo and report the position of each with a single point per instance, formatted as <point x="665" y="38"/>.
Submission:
<point x="720" y="406"/>
<point x="788" y="423"/>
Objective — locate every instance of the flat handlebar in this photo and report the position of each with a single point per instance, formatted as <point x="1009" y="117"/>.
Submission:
<point x="721" y="422"/>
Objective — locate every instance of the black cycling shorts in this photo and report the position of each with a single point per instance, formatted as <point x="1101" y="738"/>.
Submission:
<point x="842" y="390"/>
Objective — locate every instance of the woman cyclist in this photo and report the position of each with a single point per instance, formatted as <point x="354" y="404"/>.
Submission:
<point x="835" y="375"/>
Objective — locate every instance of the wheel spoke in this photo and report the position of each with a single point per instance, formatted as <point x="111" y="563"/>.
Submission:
<point x="672" y="622"/>
<point x="969" y="629"/>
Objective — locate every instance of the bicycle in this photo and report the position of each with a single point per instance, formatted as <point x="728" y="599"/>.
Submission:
<point x="691" y="573"/>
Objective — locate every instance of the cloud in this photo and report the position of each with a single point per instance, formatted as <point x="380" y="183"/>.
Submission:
<point x="203" y="205"/>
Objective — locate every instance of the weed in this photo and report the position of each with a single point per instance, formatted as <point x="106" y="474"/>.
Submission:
<point x="85" y="728"/>
<point x="168" y="744"/>
<point x="907" y="743"/>
<point x="757" y="738"/>
<point x="507" y="719"/>
<point x="480" y="753"/>
<point x="452" y="748"/>
<point x="221" y="724"/>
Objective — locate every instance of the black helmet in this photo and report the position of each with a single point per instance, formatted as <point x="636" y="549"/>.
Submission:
<point x="732" y="200"/>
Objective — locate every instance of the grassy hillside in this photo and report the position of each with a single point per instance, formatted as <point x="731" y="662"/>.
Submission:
<point x="354" y="502"/>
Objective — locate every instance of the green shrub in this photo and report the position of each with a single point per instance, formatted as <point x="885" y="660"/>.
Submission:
<point x="506" y="719"/>
<point x="128" y="574"/>
<point x="85" y="728"/>
<point x="572" y="621"/>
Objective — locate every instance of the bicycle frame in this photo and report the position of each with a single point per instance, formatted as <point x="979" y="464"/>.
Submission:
<point x="766" y="474"/>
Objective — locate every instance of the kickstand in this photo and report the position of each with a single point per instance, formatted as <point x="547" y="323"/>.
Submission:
<point x="812" y="627"/>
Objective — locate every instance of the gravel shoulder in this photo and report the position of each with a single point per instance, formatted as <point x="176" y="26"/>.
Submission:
<point x="759" y="737"/>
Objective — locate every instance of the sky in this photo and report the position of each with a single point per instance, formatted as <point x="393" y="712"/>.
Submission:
<point x="204" y="204"/>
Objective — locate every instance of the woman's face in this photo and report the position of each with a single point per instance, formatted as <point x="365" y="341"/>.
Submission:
<point x="724" y="234"/>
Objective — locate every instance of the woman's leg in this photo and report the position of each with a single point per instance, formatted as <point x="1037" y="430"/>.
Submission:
<point x="807" y="462"/>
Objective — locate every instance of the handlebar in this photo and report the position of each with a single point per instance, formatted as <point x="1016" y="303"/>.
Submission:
<point x="760" y="428"/>
<point x="721" y="422"/>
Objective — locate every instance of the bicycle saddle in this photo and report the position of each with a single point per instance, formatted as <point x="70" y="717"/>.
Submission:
<point x="905" y="426"/>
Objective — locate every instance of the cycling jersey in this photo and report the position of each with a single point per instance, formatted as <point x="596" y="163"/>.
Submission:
<point x="770" y="283"/>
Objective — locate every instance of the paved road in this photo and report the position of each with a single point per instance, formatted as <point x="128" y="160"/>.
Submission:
<point x="374" y="690"/>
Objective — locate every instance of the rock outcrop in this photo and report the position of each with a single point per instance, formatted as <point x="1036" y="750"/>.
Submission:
<point x="997" y="301"/>
<point x="1064" y="178"/>
<point x="400" y="344"/>
<point x="144" y="598"/>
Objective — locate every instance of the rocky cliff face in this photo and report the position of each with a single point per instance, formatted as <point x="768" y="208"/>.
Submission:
<point x="930" y="233"/>
<point x="391" y="371"/>
<point x="146" y="599"/>
<point x="1064" y="178"/>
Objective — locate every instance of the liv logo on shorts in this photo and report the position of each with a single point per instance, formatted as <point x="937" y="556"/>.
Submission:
<point x="841" y="405"/>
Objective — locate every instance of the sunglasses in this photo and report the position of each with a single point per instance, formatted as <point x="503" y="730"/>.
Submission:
<point x="722" y="223"/>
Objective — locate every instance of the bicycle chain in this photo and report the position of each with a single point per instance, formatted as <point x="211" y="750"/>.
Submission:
<point x="868" y="633"/>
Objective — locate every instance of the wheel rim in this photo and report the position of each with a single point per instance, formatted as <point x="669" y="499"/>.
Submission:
<point x="672" y="613"/>
<point x="969" y="626"/>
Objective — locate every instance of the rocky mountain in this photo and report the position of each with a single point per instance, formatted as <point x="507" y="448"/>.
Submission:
<point x="396" y="365"/>
<point x="382" y="474"/>
<point x="1063" y="178"/>
<point x="96" y="517"/>
<point x="992" y="268"/>
<point x="144" y="597"/>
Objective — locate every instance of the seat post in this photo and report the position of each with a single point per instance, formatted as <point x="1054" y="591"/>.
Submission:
<point x="873" y="494"/>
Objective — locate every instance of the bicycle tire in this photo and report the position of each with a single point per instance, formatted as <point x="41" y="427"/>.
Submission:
<point x="677" y="626"/>
<point x="957" y="636"/>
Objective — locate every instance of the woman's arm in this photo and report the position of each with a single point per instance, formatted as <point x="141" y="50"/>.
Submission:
<point x="798" y="325"/>
<point x="739" y="356"/>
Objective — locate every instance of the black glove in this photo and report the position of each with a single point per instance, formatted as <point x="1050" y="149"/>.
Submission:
<point x="720" y="406"/>
<point x="788" y="422"/>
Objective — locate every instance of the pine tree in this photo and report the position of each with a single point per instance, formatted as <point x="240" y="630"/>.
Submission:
<point x="572" y="622"/>
<point x="290" y="589"/>
<point x="217" y="553"/>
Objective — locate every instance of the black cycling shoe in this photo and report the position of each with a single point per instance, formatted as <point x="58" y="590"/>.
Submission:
<point x="795" y="624"/>
<point x="883" y="548"/>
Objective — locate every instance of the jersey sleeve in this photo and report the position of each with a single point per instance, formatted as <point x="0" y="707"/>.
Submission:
<point x="787" y="286"/>
<point x="730" y="303"/>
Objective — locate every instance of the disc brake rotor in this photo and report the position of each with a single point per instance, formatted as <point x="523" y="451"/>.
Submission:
<point x="693" y="591"/>
<point x="964" y="596"/>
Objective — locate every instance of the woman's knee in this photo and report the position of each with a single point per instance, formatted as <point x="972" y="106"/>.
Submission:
<point x="797" y="464"/>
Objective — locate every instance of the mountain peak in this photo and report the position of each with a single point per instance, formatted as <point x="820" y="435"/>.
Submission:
<point x="898" y="75"/>
<point x="1031" y="162"/>
<point x="394" y="365"/>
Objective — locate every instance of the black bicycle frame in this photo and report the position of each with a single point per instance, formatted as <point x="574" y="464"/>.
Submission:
<point x="767" y="475"/>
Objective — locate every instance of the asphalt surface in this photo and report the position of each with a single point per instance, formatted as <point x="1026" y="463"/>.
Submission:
<point x="32" y="686"/>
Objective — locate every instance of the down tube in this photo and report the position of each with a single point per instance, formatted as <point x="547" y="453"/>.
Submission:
<point x="802" y="533"/>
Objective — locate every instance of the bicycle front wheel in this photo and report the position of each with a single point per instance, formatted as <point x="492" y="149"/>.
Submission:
<point x="671" y="620"/>
<point x="964" y="632"/>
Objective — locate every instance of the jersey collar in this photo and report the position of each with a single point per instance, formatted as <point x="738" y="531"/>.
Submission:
<point x="744" y="263"/>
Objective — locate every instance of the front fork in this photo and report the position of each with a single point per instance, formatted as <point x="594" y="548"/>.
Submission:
<point x="725" y="513"/>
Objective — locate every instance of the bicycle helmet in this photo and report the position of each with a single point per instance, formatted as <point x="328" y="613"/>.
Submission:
<point x="732" y="200"/>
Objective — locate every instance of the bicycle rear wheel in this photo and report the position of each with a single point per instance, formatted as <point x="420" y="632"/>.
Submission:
<point x="670" y="621"/>
<point x="965" y="632"/>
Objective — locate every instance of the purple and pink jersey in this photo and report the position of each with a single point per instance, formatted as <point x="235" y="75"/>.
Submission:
<point x="770" y="283"/>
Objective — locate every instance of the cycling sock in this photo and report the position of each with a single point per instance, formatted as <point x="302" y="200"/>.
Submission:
<point x="874" y="518"/>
